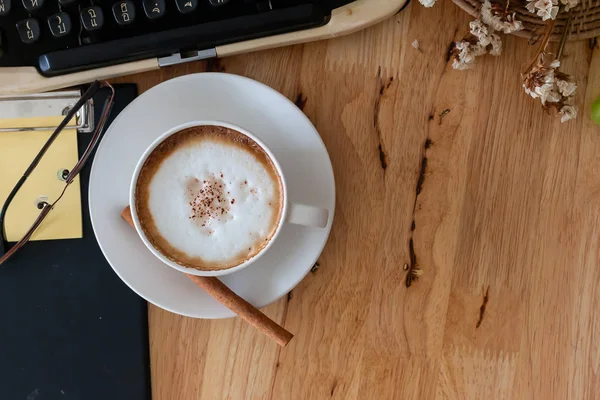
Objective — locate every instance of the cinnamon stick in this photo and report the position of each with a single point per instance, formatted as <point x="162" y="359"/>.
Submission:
<point x="235" y="303"/>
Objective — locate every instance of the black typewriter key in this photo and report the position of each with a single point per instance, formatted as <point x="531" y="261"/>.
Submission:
<point x="92" y="18"/>
<point x="66" y="2"/>
<point x="4" y="7"/>
<point x="186" y="6"/>
<point x="29" y="30"/>
<point x="32" y="5"/>
<point x="60" y="24"/>
<point x="124" y="12"/>
<point x="1" y="44"/>
<point x="154" y="8"/>
<point x="218" y="2"/>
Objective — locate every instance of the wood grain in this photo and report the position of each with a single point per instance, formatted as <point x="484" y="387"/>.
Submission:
<point x="507" y="203"/>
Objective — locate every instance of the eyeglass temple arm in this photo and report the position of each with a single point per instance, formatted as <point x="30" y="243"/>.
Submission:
<point x="9" y="199"/>
<point x="25" y="239"/>
<point x="106" y="110"/>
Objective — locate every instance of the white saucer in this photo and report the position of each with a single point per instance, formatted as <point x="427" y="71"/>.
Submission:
<point x="240" y="101"/>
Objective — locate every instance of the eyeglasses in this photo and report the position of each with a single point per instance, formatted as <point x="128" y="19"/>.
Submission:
<point x="67" y="175"/>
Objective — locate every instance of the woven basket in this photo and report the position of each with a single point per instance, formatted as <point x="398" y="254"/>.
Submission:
<point x="585" y="20"/>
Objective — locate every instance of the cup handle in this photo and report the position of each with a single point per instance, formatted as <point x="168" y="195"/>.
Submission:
<point x="301" y="214"/>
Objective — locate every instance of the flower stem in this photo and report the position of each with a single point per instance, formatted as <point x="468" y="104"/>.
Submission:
<point x="565" y="35"/>
<point x="543" y="43"/>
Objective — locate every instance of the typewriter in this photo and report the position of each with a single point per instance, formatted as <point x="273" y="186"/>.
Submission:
<point x="49" y="44"/>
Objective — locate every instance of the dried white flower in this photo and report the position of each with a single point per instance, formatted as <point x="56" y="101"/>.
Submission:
<point x="531" y="6"/>
<point x="566" y="88"/>
<point x="480" y="31"/>
<point x="569" y="4"/>
<point x="479" y="50"/>
<point x="532" y="92"/>
<point x="554" y="88"/>
<point x="512" y="24"/>
<point x="498" y="18"/>
<point x="496" y="43"/>
<point x="460" y="65"/>
<point x="540" y="78"/>
<point x="548" y="94"/>
<point x="465" y="55"/>
<point x="481" y="40"/>
<point x="427" y="3"/>
<point x="416" y="44"/>
<point x="547" y="9"/>
<point x="567" y="112"/>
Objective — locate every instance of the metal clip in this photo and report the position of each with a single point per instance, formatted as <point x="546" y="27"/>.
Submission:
<point x="52" y="104"/>
<point x="186" y="56"/>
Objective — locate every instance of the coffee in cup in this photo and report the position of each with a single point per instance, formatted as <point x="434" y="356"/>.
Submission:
<point x="209" y="198"/>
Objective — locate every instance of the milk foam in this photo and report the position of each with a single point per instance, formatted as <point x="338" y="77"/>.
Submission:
<point x="214" y="201"/>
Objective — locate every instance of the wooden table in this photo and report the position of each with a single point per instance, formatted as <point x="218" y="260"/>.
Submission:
<point x="500" y="202"/>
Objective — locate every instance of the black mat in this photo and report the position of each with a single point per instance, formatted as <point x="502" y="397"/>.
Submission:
<point x="69" y="327"/>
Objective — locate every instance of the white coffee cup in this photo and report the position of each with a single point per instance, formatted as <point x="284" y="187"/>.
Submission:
<point x="292" y="213"/>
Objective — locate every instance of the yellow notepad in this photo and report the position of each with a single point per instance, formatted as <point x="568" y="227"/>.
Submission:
<point x="17" y="150"/>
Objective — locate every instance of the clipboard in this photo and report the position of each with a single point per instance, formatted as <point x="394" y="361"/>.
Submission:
<point x="26" y="122"/>
<point x="70" y="329"/>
